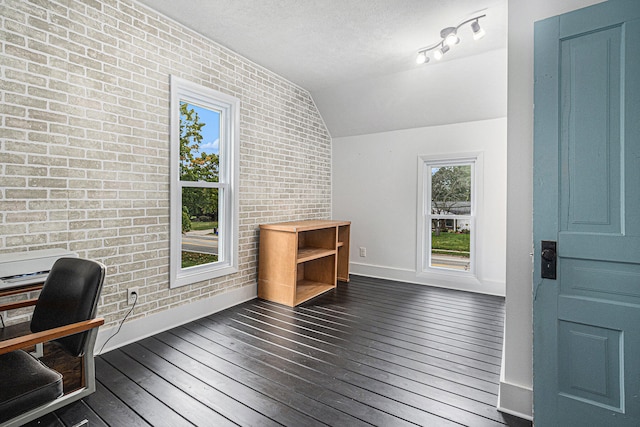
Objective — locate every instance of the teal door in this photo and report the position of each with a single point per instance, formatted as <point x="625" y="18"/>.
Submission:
<point x="587" y="200"/>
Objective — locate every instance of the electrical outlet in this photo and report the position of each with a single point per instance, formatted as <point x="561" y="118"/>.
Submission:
<point x="132" y="295"/>
<point x="363" y="251"/>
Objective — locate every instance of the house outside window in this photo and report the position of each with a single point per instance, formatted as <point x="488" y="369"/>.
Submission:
<point x="204" y="181"/>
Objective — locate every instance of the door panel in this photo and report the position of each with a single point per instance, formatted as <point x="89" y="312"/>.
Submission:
<point x="601" y="279"/>
<point x="587" y="198"/>
<point x="595" y="380"/>
<point x="590" y="69"/>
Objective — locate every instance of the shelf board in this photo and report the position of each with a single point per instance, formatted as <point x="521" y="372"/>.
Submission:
<point x="299" y="226"/>
<point x="308" y="254"/>
<point x="307" y="289"/>
<point x="340" y="244"/>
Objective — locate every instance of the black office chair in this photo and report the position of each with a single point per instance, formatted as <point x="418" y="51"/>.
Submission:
<point x="64" y="314"/>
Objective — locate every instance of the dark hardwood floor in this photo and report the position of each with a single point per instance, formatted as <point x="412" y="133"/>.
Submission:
<point x="372" y="352"/>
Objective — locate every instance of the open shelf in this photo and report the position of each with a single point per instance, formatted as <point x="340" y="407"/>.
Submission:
<point x="301" y="260"/>
<point x="342" y="273"/>
<point x="309" y="254"/>
<point x="307" y="289"/>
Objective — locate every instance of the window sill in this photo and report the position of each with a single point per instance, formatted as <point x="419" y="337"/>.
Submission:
<point x="199" y="275"/>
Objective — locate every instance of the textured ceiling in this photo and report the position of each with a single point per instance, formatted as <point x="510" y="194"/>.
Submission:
<point x="324" y="43"/>
<point x="357" y="57"/>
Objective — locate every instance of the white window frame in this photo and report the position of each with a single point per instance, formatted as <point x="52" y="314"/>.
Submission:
<point x="229" y="107"/>
<point x="423" y="262"/>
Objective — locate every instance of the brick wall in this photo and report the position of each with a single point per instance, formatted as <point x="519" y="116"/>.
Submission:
<point x="84" y="142"/>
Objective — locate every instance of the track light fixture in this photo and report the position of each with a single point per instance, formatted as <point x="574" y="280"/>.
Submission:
<point x="449" y="38"/>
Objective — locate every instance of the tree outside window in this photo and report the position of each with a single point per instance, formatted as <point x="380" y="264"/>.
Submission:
<point x="450" y="216"/>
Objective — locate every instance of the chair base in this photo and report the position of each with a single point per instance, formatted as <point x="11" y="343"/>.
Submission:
<point x="47" y="408"/>
<point x="27" y="383"/>
<point x="89" y="374"/>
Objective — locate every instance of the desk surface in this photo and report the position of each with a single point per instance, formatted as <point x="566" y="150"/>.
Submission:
<point x="20" y="290"/>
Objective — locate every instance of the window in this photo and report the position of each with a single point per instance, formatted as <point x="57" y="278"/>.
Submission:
<point x="204" y="175"/>
<point x="447" y="220"/>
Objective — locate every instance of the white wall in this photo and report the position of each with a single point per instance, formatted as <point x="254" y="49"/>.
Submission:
<point x="517" y="377"/>
<point x="375" y="181"/>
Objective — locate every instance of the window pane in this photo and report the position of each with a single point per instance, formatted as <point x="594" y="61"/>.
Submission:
<point x="451" y="190"/>
<point x="199" y="143"/>
<point x="200" y="231"/>
<point x="451" y="243"/>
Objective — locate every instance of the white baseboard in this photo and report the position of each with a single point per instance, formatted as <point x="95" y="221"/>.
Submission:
<point x="515" y="400"/>
<point x="144" y="327"/>
<point x="449" y="281"/>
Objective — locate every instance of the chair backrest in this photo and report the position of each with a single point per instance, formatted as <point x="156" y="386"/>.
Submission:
<point x="69" y="295"/>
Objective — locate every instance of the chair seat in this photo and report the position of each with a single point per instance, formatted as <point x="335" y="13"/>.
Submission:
<point x="26" y="383"/>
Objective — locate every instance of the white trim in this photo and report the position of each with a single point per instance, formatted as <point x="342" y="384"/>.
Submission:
<point x="229" y="107"/>
<point x="144" y="327"/>
<point x="515" y="400"/>
<point x="448" y="281"/>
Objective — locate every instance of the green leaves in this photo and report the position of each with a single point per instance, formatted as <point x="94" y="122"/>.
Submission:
<point x="194" y="165"/>
<point x="450" y="188"/>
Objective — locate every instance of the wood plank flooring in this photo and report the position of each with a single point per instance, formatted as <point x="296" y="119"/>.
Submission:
<point x="371" y="352"/>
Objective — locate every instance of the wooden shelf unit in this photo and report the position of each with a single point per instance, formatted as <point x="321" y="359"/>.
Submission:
<point x="300" y="260"/>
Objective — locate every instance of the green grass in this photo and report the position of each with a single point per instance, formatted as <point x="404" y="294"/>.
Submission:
<point x="205" y="225"/>
<point x="189" y="259"/>
<point x="451" y="243"/>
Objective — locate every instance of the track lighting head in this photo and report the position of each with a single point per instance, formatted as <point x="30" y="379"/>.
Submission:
<point x="422" y="58"/>
<point x="449" y="38"/>
<point x="439" y="53"/>
<point x="478" y="31"/>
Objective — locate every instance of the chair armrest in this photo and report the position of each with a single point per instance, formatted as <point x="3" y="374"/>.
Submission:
<point x="48" y="335"/>
<point x="18" y="304"/>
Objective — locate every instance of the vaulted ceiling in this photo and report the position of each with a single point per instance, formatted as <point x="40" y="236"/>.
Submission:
<point x="357" y="57"/>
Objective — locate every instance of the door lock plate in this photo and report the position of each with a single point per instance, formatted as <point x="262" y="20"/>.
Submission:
<point x="548" y="260"/>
